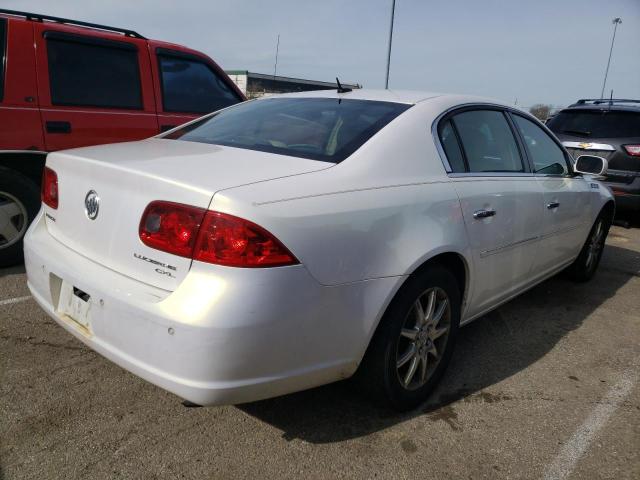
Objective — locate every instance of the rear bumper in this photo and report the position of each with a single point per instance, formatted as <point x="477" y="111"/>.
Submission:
<point x="225" y="335"/>
<point x="627" y="195"/>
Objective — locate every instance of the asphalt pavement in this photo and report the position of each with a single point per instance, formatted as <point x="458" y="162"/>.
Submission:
<point x="546" y="386"/>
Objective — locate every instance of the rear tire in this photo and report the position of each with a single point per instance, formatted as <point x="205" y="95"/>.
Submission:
<point x="19" y="204"/>
<point x="413" y="344"/>
<point x="584" y="267"/>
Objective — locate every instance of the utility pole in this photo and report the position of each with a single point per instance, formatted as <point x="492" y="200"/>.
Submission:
<point x="275" y="67"/>
<point x="393" y="9"/>
<point x="616" y="21"/>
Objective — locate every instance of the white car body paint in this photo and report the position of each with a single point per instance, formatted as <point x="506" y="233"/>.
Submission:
<point x="218" y="335"/>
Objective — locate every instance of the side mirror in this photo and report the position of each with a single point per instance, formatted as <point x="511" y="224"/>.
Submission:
<point x="591" y="165"/>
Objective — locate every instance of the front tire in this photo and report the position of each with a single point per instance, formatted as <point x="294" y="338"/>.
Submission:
<point x="19" y="204"/>
<point x="414" y="342"/>
<point x="584" y="267"/>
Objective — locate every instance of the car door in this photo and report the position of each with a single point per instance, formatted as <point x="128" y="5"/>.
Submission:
<point x="94" y="87"/>
<point x="19" y="114"/>
<point x="500" y="200"/>
<point x="188" y="86"/>
<point x="566" y="205"/>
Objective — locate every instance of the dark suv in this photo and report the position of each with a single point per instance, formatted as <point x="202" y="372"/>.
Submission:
<point x="608" y="129"/>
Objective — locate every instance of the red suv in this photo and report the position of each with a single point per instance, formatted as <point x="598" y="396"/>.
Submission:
<point x="65" y="84"/>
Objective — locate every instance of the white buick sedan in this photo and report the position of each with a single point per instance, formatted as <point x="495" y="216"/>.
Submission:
<point x="297" y="240"/>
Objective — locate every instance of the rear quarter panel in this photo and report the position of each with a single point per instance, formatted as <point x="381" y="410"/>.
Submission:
<point x="380" y="213"/>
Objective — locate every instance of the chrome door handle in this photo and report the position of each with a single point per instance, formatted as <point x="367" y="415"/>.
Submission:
<point x="489" y="212"/>
<point x="553" y="205"/>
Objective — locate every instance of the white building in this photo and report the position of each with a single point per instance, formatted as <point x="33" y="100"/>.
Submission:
<point x="259" y="84"/>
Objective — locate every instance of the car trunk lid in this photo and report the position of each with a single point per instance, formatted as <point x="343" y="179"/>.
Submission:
<point x="127" y="177"/>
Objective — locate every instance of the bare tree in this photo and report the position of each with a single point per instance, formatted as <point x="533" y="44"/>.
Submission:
<point x="541" y="111"/>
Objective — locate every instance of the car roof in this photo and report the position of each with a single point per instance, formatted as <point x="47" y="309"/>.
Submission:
<point x="395" y="96"/>
<point x="602" y="108"/>
<point x="597" y="104"/>
<point x="19" y="16"/>
<point x="86" y="28"/>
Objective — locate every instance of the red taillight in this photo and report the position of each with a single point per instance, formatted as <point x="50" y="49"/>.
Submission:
<point x="211" y="237"/>
<point x="633" y="150"/>
<point x="171" y="227"/>
<point x="49" y="193"/>
<point x="227" y="240"/>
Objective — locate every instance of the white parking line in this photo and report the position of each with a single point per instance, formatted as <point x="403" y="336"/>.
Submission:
<point x="571" y="452"/>
<point x="14" y="300"/>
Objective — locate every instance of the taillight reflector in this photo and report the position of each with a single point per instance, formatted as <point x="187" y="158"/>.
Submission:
<point x="49" y="192"/>
<point x="633" y="150"/>
<point x="211" y="237"/>
<point x="171" y="227"/>
<point x="235" y="242"/>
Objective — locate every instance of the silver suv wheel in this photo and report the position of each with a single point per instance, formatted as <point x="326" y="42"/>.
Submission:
<point x="13" y="220"/>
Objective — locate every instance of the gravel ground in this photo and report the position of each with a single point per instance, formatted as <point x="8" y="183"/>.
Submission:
<point x="546" y="386"/>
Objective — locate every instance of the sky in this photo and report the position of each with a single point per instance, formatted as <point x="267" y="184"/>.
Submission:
<point x="524" y="51"/>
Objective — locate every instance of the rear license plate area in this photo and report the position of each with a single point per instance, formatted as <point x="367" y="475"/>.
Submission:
<point x="75" y="304"/>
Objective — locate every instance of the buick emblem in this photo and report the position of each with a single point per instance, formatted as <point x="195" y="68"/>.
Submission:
<point x="92" y="205"/>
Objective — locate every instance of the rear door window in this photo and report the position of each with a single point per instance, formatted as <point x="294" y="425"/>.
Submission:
<point x="3" y="49"/>
<point x="92" y="72"/>
<point x="547" y="157"/>
<point x="191" y="86"/>
<point x="487" y="141"/>
<point x="452" y="147"/>
<point x="596" y="123"/>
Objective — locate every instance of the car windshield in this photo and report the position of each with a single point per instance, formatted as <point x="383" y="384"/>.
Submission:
<point x="326" y="129"/>
<point x="596" y="123"/>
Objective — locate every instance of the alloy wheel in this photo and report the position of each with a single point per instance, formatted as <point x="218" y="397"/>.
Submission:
<point x="13" y="220"/>
<point x="423" y="338"/>
<point x="596" y="244"/>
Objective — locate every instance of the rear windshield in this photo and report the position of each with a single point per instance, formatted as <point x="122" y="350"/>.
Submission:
<point x="326" y="129"/>
<point x="596" y="123"/>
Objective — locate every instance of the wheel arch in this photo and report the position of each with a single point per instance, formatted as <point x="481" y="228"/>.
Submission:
<point x="27" y="163"/>
<point x="609" y="209"/>
<point x="452" y="260"/>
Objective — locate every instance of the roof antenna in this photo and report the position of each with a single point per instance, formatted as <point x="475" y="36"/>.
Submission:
<point x="611" y="99"/>
<point x="275" y="67"/>
<point x="342" y="89"/>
